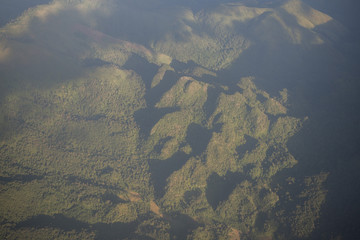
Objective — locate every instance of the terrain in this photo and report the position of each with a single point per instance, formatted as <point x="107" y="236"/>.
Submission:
<point x="179" y="120"/>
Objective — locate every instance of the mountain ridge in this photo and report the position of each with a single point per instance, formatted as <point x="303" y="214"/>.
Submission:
<point x="179" y="123"/>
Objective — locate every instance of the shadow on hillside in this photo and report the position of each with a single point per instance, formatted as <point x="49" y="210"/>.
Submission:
<point x="93" y="182"/>
<point x="94" y="62"/>
<point x="146" y="118"/>
<point x="211" y="101"/>
<point x="141" y="66"/>
<point x="21" y="178"/>
<point x="159" y="146"/>
<point x="162" y="169"/>
<point x="153" y="95"/>
<point x="247" y="147"/>
<point x="114" y="231"/>
<point x="113" y="198"/>
<point x="219" y="188"/>
<point x="198" y="138"/>
<point x="181" y="226"/>
<point x="192" y="195"/>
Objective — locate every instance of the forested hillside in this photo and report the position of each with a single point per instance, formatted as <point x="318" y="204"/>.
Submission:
<point x="179" y="120"/>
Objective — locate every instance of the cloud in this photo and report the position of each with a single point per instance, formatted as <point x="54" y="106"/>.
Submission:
<point x="227" y="14"/>
<point x="4" y="52"/>
<point x="89" y="10"/>
<point x="43" y="11"/>
<point x="102" y="7"/>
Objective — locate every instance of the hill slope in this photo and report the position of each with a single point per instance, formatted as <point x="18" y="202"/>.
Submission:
<point x="133" y="120"/>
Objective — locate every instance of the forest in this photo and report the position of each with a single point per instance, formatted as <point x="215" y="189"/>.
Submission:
<point x="178" y="120"/>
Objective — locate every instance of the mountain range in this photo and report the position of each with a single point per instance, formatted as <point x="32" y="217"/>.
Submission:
<point x="179" y="120"/>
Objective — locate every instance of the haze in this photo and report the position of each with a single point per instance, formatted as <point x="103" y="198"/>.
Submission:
<point x="138" y="119"/>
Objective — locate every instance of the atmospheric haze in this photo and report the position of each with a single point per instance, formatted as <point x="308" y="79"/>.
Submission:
<point x="168" y="119"/>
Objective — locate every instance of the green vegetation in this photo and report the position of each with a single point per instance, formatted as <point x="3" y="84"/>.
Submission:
<point x="144" y="141"/>
<point x="208" y="44"/>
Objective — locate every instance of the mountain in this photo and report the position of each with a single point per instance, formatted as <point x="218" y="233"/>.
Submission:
<point x="179" y="120"/>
